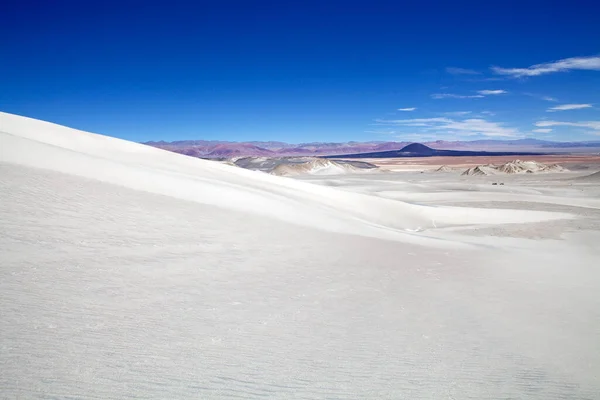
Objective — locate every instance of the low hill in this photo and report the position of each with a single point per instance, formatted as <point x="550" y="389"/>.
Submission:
<point x="291" y="166"/>
<point x="514" y="167"/>
<point x="320" y="166"/>
<point x="418" y="148"/>
<point x="481" y="170"/>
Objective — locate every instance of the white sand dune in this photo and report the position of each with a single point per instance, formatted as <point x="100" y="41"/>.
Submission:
<point x="49" y="146"/>
<point x="595" y="177"/>
<point x="442" y="190"/>
<point x="131" y="272"/>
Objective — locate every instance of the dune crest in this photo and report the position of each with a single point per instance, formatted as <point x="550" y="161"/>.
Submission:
<point x="48" y="146"/>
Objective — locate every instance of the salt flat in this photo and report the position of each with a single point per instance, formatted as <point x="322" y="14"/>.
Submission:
<point x="131" y="272"/>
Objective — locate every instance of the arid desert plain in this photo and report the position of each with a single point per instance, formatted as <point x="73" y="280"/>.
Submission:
<point x="133" y="272"/>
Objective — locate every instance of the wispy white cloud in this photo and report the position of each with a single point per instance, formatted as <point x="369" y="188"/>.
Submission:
<point x="482" y="127"/>
<point x="541" y="97"/>
<point x="381" y="131"/>
<point x="467" y="127"/>
<point x="488" y="113"/>
<point x="480" y="94"/>
<point x="575" y="63"/>
<point x="461" y="71"/>
<point x="455" y="96"/>
<point x="486" y="79"/>
<point x="457" y="113"/>
<point x="581" y="124"/>
<point x="491" y="92"/>
<point x="407" y="109"/>
<point x="419" y="137"/>
<point x="566" y="107"/>
<point x="425" y="122"/>
<point x="543" y="130"/>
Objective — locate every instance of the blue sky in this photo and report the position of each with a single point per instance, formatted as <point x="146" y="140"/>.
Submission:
<point x="306" y="70"/>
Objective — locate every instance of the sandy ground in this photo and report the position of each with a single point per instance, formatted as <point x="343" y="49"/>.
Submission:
<point x="131" y="272"/>
<point x="573" y="161"/>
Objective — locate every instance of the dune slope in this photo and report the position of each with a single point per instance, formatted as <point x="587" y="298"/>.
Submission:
<point x="130" y="272"/>
<point x="53" y="147"/>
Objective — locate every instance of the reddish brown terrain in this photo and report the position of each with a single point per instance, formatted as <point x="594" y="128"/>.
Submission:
<point x="223" y="149"/>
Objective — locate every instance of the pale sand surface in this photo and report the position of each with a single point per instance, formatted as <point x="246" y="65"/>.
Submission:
<point x="131" y="272"/>
<point x="432" y="163"/>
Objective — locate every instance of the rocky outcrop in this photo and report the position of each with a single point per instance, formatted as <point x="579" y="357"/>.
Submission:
<point x="514" y="167"/>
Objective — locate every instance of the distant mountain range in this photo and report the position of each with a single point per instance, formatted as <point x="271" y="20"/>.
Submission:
<point x="420" y="150"/>
<point x="224" y="149"/>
